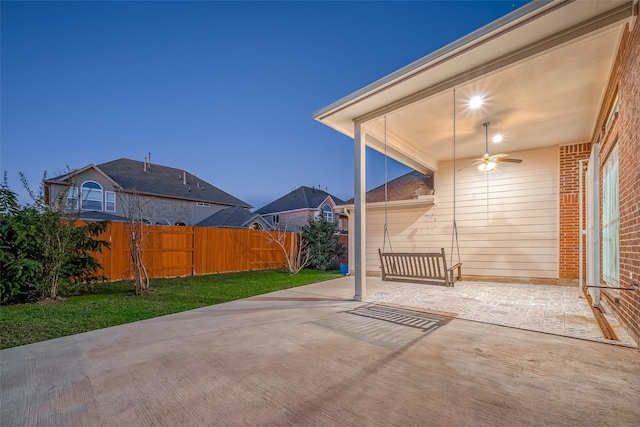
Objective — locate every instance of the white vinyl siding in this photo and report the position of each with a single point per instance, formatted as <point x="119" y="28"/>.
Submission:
<point x="507" y="220"/>
<point x="610" y="221"/>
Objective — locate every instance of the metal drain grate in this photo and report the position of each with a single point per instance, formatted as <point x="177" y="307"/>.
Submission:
<point x="414" y="319"/>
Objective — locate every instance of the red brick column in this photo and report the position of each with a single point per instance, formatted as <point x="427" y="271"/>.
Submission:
<point x="570" y="156"/>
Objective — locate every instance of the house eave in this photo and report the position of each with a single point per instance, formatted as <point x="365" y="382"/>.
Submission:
<point x="474" y="38"/>
<point x="535" y="44"/>
<point x="61" y="179"/>
<point x="419" y="202"/>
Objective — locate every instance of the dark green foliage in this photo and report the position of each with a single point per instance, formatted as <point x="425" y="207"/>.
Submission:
<point x="323" y="244"/>
<point x="41" y="249"/>
<point x="19" y="267"/>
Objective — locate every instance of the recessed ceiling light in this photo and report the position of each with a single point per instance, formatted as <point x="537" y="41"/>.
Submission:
<point x="476" y="102"/>
<point x="497" y="138"/>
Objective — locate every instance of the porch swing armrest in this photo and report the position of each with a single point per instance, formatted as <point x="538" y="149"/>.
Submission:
<point x="450" y="272"/>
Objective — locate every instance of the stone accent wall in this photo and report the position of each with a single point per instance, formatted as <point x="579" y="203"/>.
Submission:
<point x="570" y="156"/>
<point x="296" y="219"/>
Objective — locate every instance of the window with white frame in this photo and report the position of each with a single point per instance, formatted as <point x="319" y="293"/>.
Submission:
<point x="328" y="213"/>
<point x="72" y="198"/>
<point x="109" y="201"/>
<point x="91" y="196"/>
<point x="610" y="221"/>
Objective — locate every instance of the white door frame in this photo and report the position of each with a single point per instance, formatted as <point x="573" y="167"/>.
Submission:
<point x="593" y="225"/>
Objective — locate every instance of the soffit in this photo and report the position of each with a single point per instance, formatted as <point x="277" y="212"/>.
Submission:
<point x="543" y="76"/>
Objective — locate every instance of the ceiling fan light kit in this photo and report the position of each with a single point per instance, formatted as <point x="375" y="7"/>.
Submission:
<point x="487" y="167"/>
<point x="488" y="163"/>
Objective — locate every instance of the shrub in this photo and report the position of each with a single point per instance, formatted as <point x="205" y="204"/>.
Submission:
<point x="323" y="244"/>
<point x="41" y="249"/>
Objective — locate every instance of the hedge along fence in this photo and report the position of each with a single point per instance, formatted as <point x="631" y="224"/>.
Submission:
<point x="170" y="251"/>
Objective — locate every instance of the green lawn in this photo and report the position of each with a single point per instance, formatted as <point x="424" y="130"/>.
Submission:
<point x="113" y="303"/>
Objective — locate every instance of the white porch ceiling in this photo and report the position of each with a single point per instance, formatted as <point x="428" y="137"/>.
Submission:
<point x="542" y="70"/>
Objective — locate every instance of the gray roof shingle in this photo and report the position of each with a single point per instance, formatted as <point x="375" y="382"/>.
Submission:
<point x="164" y="181"/>
<point x="300" y="198"/>
<point x="405" y="187"/>
<point x="230" y="217"/>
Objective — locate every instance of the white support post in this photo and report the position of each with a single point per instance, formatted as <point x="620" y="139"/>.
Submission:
<point x="360" y="168"/>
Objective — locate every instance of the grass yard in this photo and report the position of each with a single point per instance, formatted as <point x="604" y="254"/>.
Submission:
<point x="113" y="303"/>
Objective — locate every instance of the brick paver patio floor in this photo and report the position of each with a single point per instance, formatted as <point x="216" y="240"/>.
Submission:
<point x="544" y="308"/>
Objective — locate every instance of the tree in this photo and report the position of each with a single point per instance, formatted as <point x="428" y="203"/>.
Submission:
<point x="295" y="249"/>
<point x="134" y="207"/>
<point x="324" y="246"/>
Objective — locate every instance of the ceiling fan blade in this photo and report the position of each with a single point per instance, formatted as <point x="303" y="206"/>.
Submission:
<point x="471" y="164"/>
<point x="503" y="159"/>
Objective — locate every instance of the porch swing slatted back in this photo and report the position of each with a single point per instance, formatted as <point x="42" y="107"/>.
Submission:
<point x="430" y="268"/>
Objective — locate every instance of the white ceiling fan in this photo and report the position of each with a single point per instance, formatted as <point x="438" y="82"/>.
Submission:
<point x="488" y="162"/>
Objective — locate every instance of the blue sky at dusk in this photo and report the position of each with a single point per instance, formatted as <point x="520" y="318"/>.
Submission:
<point x="224" y="90"/>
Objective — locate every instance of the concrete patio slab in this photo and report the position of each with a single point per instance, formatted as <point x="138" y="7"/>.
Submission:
<point x="297" y="357"/>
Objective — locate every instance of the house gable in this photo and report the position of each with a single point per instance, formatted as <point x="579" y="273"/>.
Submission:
<point x="169" y="196"/>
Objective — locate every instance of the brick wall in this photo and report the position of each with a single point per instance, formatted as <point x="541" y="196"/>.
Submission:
<point x="624" y="131"/>
<point x="570" y="156"/>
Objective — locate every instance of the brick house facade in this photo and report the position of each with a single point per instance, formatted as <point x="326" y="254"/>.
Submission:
<point x="623" y="130"/>
<point x="618" y="126"/>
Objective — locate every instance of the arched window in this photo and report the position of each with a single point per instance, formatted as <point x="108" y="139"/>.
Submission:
<point x="162" y="222"/>
<point x="256" y="226"/>
<point x="91" y="196"/>
<point x="145" y="221"/>
<point x="181" y="223"/>
<point x="328" y="213"/>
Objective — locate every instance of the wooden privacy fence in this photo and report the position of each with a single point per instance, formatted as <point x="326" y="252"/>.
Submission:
<point x="183" y="251"/>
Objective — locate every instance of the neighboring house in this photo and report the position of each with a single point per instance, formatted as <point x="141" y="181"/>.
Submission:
<point x="411" y="188"/>
<point x="236" y="217"/>
<point x="126" y="188"/>
<point x="561" y="81"/>
<point x="293" y="210"/>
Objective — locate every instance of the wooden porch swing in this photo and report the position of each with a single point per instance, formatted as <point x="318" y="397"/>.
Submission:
<point x="424" y="267"/>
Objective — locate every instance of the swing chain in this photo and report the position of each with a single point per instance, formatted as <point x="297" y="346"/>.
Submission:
<point x="386" y="230"/>
<point x="454" y="231"/>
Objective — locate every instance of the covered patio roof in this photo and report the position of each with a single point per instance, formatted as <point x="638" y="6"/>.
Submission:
<point x="542" y="72"/>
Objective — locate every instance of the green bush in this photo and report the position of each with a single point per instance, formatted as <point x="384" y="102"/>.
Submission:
<point x="41" y="249"/>
<point x="323" y="243"/>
